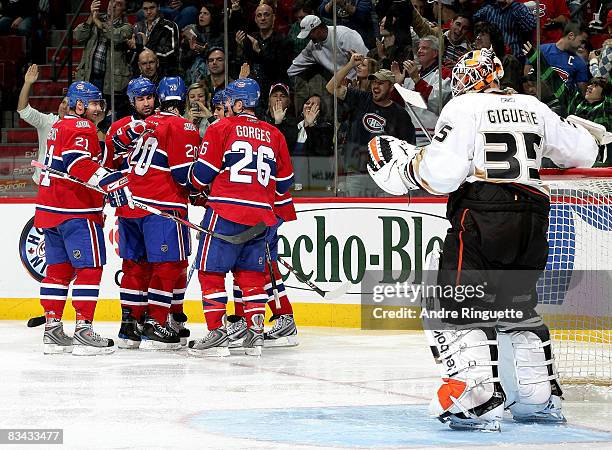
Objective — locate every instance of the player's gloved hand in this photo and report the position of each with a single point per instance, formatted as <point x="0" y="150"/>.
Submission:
<point x="115" y="186"/>
<point x="388" y="159"/>
<point x="199" y="199"/>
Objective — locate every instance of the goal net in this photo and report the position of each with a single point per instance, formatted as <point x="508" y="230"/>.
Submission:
<point x="575" y="291"/>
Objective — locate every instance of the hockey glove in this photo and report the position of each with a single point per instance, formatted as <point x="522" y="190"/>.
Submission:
<point x="387" y="163"/>
<point x="115" y="186"/>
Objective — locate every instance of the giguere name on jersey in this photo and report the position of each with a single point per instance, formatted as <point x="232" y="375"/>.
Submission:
<point x="253" y="133"/>
<point x="506" y="115"/>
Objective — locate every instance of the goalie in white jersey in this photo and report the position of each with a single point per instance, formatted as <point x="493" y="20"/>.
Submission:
<point x="485" y="154"/>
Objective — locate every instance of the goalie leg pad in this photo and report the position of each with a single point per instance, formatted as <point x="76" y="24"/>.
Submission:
<point x="528" y="375"/>
<point x="470" y="396"/>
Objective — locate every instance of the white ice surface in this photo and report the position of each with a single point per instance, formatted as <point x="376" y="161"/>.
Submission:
<point x="150" y="400"/>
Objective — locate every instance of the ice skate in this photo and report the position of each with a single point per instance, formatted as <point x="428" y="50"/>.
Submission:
<point x="283" y="333"/>
<point x="551" y="414"/>
<point x="130" y="331"/>
<point x="254" y="338"/>
<point x="55" y="340"/>
<point x="215" y="343"/>
<point x="158" y="337"/>
<point x="236" y="330"/>
<point x="176" y="321"/>
<point x="466" y="423"/>
<point x="87" y="342"/>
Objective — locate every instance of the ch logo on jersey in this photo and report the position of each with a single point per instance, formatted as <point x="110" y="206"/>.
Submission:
<point x="374" y="123"/>
<point x="32" y="250"/>
<point x="562" y="73"/>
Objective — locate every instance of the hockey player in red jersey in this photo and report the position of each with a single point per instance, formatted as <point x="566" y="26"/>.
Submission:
<point x="71" y="217"/>
<point x="247" y="162"/>
<point x="136" y="274"/>
<point x="284" y="331"/>
<point x="158" y="171"/>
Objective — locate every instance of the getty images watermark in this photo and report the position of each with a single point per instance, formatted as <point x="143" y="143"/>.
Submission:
<point x="410" y="303"/>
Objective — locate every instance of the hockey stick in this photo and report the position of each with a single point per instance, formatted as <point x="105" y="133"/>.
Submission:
<point x="327" y="295"/>
<point x="272" y="277"/>
<point x="413" y="98"/>
<point x="36" y="321"/>
<point x="239" y="238"/>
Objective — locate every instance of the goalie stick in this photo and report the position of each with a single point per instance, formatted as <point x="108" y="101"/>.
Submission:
<point x="239" y="238"/>
<point x="327" y="295"/>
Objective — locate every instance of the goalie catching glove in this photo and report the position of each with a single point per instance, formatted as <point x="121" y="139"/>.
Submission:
<point x="389" y="158"/>
<point x="115" y="186"/>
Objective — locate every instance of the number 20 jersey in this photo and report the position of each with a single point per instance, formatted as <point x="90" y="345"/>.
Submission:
<point x="498" y="138"/>
<point x="248" y="163"/>
<point x="159" y="164"/>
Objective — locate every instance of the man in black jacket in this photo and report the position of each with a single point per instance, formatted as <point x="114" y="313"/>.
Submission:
<point x="17" y="16"/>
<point x="159" y="35"/>
<point x="267" y="51"/>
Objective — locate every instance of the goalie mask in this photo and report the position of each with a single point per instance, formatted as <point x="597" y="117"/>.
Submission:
<point x="388" y="157"/>
<point x="475" y="71"/>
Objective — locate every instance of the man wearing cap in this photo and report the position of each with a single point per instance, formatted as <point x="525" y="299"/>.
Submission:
<point x="276" y="114"/>
<point x="315" y="64"/>
<point x="371" y="114"/>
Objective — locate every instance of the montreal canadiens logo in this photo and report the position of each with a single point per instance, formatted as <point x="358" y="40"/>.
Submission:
<point x="374" y="123"/>
<point x="32" y="250"/>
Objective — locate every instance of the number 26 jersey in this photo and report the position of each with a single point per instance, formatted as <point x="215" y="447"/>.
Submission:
<point x="248" y="163"/>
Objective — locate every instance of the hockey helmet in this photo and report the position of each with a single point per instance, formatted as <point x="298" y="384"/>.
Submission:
<point x="171" y="88"/>
<point x="245" y="89"/>
<point x="140" y="87"/>
<point x="219" y="97"/>
<point x="85" y="92"/>
<point x="475" y="71"/>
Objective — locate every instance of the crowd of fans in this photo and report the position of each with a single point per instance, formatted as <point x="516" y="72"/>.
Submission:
<point x="300" y="60"/>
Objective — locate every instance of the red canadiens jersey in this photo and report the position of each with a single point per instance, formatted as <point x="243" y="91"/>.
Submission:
<point x="159" y="164"/>
<point x="108" y="140"/>
<point x="248" y="164"/>
<point x="284" y="208"/>
<point x="73" y="148"/>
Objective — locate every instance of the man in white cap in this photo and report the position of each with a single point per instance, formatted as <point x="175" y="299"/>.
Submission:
<point x="315" y="64"/>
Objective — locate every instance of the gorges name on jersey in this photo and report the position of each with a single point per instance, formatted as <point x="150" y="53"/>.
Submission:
<point x="498" y="138"/>
<point x="248" y="164"/>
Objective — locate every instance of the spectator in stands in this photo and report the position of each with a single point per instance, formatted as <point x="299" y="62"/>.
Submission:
<point x="425" y="81"/>
<point x="17" y="16"/>
<point x="315" y="62"/>
<point x="148" y="65"/>
<point x="394" y="44"/>
<point x="371" y="113"/>
<point x="455" y="40"/>
<point x="514" y="20"/>
<point x="449" y="10"/>
<point x="267" y="51"/>
<point x="354" y="14"/>
<point x="595" y="104"/>
<point x="562" y="56"/>
<point x="95" y="66"/>
<point x="159" y="35"/>
<point x="600" y="60"/>
<point x="276" y="114"/>
<point x="301" y="9"/>
<point x="553" y="14"/>
<point x="198" y="38"/>
<point x="315" y="134"/>
<point x="196" y="110"/>
<point x="487" y="35"/>
<point x="215" y="80"/>
<point x="364" y="69"/>
<point x="182" y="12"/>
<point x="42" y="122"/>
